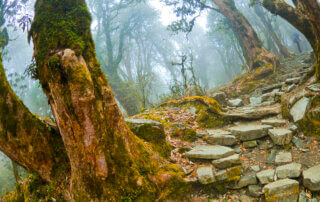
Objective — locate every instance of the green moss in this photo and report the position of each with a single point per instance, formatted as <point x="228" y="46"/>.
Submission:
<point x="58" y="25"/>
<point x="210" y="120"/>
<point x="185" y="133"/>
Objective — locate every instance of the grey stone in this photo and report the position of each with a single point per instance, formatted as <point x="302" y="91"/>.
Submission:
<point x="250" y="132"/>
<point x="221" y="137"/>
<point x="237" y="150"/>
<point x="250" y="144"/>
<point x="283" y="158"/>
<point x="297" y="142"/>
<point x="255" y="100"/>
<point x="227" y="162"/>
<point x="295" y="80"/>
<point x="210" y="152"/>
<point x="229" y="174"/>
<point x="311" y="178"/>
<point x="313" y="200"/>
<point x="248" y="179"/>
<point x="266" y="176"/>
<point x="302" y="197"/>
<point x="220" y="97"/>
<point x="299" y="109"/>
<point x="315" y="87"/>
<point x="236" y="102"/>
<point x="290" y="88"/>
<point x="271" y="156"/>
<point x="282" y="190"/>
<point x="292" y="170"/>
<point x="280" y="136"/>
<point x="274" y="122"/>
<point x="205" y="175"/>
<point x="254" y="190"/>
<point x="255" y="168"/>
<point x="246" y="198"/>
<point x="294" y="128"/>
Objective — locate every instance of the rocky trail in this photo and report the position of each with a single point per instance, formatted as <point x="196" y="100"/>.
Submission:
<point x="257" y="156"/>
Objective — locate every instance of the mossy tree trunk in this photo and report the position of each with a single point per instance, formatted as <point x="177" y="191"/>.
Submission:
<point x="305" y="17"/>
<point x="107" y="161"/>
<point x="253" y="51"/>
<point x="25" y="138"/>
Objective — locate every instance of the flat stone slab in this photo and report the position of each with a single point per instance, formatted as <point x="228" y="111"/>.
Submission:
<point x="229" y="174"/>
<point x="248" y="179"/>
<point x="235" y="102"/>
<point x="205" y="175"/>
<point x="282" y="190"/>
<point x="274" y="122"/>
<point x="292" y="170"/>
<point x="250" y="132"/>
<point x="311" y="178"/>
<point x="221" y="137"/>
<point x="295" y="80"/>
<point x="280" y="136"/>
<point x="266" y="176"/>
<point x="299" y="109"/>
<point x="210" y="152"/>
<point x="250" y="144"/>
<point x="227" y="162"/>
<point x="283" y="158"/>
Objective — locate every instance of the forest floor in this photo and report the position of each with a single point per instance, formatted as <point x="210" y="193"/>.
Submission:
<point x="259" y="152"/>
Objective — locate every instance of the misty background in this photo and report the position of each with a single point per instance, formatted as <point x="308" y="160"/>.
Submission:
<point x="142" y="56"/>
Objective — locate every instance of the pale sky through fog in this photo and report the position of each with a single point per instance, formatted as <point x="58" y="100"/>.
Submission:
<point x="167" y="15"/>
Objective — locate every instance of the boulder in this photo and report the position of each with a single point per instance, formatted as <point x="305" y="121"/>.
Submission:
<point x="220" y="97"/>
<point x="255" y="100"/>
<point x="254" y="190"/>
<point x="210" y="152"/>
<point x="282" y="190"/>
<point x="280" y="136"/>
<point x="283" y="158"/>
<point x="292" y="170"/>
<point x="227" y="162"/>
<point x="152" y="132"/>
<point x="266" y="176"/>
<point x="299" y="109"/>
<point x="236" y="102"/>
<point x="248" y="179"/>
<point x="311" y="178"/>
<point x="229" y="174"/>
<point x="221" y="137"/>
<point x="250" y="144"/>
<point x="274" y="122"/>
<point x="205" y="175"/>
<point x="250" y="132"/>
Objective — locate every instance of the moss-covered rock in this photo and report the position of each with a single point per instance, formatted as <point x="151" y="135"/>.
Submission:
<point x="152" y="132"/>
<point x="183" y="132"/>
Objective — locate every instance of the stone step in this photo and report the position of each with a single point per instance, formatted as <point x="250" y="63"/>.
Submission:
<point x="227" y="162"/>
<point x="282" y="190"/>
<point x="283" y="158"/>
<point x="266" y="176"/>
<point x="210" y="152"/>
<point x="292" y="170"/>
<point x="275" y="122"/>
<point x="311" y="178"/>
<point x="221" y="137"/>
<point x="280" y="136"/>
<point x="250" y="132"/>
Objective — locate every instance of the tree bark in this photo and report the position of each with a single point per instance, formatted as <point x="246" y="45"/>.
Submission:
<point x="24" y="138"/>
<point x="305" y="17"/>
<point x="15" y="171"/>
<point x="283" y="50"/>
<point x="107" y="160"/>
<point x="253" y="51"/>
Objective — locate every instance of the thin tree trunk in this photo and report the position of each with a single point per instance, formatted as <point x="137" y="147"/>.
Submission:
<point x="253" y="51"/>
<point x="283" y="50"/>
<point x="107" y="161"/>
<point x="15" y="171"/>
